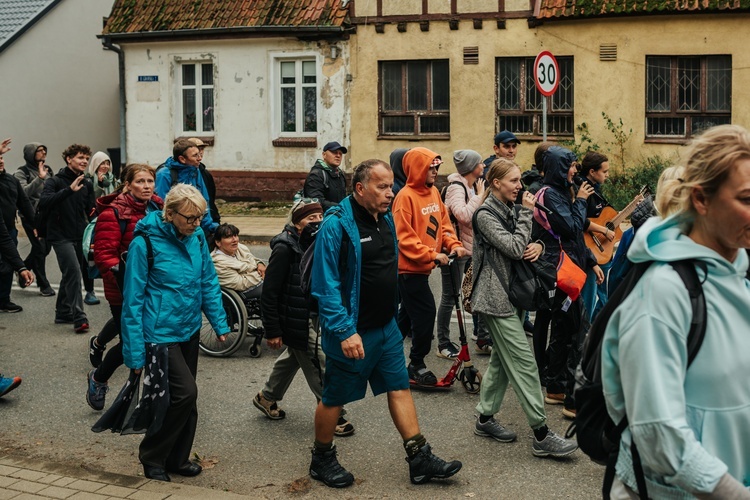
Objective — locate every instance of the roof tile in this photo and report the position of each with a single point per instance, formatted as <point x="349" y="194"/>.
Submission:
<point x="590" y="8"/>
<point x="134" y="16"/>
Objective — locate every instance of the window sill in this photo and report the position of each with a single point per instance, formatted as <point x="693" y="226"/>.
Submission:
<point x="382" y="137"/>
<point x="682" y="141"/>
<point x="207" y="140"/>
<point x="295" y="142"/>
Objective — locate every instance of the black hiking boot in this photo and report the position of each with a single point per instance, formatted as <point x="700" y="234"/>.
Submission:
<point x="425" y="466"/>
<point x="325" y="467"/>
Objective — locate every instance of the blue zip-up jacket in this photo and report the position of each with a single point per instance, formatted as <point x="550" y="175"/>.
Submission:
<point x="691" y="425"/>
<point x="163" y="305"/>
<point x="185" y="175"/>
<point x="338" y="296"/>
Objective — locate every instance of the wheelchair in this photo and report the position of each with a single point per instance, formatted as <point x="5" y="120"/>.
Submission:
<point x="243" y="318"/>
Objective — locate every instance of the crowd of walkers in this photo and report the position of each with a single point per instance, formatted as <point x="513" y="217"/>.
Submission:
<point x="162" y="253"/>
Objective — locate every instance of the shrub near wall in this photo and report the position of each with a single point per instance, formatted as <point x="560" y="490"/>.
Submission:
<point x="624" y="185"/>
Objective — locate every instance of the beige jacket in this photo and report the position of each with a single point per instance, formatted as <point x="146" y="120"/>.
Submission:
<point x="239" y="272"/>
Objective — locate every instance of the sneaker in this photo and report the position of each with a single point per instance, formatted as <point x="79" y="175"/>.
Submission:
<point x="63" y="320"/>
<point x="47" y="291"/>
<point x="449" y="351"/>
<point x="10" y="307"/>
<point x="325" y="467"/>
<point x="553" y="446"/>
<point x="421" y="375"/>
<point x="91" y="299"/>
<point x="7" y="384"/>
<point x="96" y="392"/>
<point x="569" y="413"/>
<point x="81" y="327"/>
<point x="268" y="407"/>
<point x="483" y="347"/>
<point x="95" y="352"/>
<point x="425" y="466"/>
<point x="553" y="398"/>
<point x="493" y="429"/>
<point x="343" y="428"/>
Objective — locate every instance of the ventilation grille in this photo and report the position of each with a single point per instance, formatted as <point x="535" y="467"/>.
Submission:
<point x="608" y="52"/>
<point x="471" y="55"/>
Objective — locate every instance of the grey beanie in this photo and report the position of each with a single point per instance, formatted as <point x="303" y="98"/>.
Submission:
<point x="466" y="160"/>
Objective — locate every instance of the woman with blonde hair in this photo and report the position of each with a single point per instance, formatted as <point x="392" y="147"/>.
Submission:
<point x="169" y="280"/>
<point x="511" y="360"/>
<point x="692" y="437"/>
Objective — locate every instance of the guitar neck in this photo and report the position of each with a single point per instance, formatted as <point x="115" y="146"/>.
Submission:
<point x="627" y="211"/>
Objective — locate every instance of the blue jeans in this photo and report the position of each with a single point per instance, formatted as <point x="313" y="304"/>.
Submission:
<point x="595" y="296"/>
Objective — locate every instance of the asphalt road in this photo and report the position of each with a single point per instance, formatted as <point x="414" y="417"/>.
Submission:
<point x="47" y="418"/>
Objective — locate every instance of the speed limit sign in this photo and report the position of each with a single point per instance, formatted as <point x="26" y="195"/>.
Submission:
<point x="546" y="73"/>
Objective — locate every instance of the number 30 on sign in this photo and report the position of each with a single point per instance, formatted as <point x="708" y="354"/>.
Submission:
<point x="546" y="73"/>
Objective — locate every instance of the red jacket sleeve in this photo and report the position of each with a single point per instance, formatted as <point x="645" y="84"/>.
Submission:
<point x="107" y="241"/>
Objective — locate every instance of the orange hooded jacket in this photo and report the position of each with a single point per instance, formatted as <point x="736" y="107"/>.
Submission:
<point x="422" y="223"/>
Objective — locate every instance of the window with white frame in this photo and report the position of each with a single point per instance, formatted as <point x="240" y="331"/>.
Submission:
<point x="687" y="94"/>
<point x="196" y="100"/>
<point x="297" y="97"/>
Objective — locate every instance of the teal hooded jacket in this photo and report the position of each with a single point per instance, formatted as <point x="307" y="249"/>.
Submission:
<point x="163" y="305"/>
<point x="691" y="426"/>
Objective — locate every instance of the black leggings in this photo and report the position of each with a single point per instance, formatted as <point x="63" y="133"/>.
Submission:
<point x="113" y="359"/>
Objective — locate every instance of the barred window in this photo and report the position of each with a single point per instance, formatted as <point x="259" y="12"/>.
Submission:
<point x="519" y="103"/>
<point x="414" y="98"/>
<point x="687" y="94"/>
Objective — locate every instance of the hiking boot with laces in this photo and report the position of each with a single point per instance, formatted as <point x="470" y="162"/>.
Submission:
<point x="448" y="351"/>
<point x="493" y="429"/>
<point x="96" y="392"/>
<point x="95" y="352"/>
<point x="268" y="408"/>
<point x="425" y="466"/>
<point x="553" y="446"/>
<point x="325" y="467"/>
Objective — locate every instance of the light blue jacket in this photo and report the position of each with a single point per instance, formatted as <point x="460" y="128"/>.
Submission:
<point x="163" y="305"/>
<point x="186" y="174"/>
<point x="338" y="296"/>
<point x="691" y="428"/>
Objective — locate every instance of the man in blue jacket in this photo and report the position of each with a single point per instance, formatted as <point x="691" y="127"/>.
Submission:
<point x="357" y="302"/>
<point x="185" y="162"/>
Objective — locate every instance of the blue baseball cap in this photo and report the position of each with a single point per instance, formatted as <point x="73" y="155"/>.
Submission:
<point x="505" y="137"/>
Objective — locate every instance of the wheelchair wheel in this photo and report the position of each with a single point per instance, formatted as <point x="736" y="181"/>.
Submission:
<point x="255" y="331"/>
<point x="234" y="308"/>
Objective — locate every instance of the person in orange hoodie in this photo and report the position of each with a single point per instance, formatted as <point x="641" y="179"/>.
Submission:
<point x="425" y="238"/>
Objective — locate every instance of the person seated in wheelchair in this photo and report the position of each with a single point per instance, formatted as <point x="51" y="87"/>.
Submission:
<point x="236" y="267"/>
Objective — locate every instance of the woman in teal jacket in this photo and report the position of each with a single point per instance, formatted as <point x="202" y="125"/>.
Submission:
<point x="161" y="318"/>
<point x="691" y="426"/>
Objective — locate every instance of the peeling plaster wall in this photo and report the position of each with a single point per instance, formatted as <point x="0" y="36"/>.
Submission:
<point x="243" y="98"/>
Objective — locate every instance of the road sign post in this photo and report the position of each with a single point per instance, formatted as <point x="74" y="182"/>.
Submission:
<point x="546" y="78"/>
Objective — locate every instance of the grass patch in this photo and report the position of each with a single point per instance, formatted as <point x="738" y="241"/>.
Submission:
<point x="257" y="208"/>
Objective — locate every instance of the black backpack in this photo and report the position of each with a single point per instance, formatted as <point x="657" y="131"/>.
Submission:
<point x="443" y="193"/>
<point x="598" y="436"/>
<point x="172" y="173"/>
<point x="307" y="245"/>
<point x="531" y="285"/>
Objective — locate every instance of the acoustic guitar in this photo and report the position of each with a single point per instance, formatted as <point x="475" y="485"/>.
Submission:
<point x="599" y="244"/>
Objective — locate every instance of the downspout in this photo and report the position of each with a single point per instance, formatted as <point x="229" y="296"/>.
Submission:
<point x="108" y="45"/>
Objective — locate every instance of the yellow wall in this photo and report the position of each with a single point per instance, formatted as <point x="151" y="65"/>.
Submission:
<point x="617" y="88"/>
